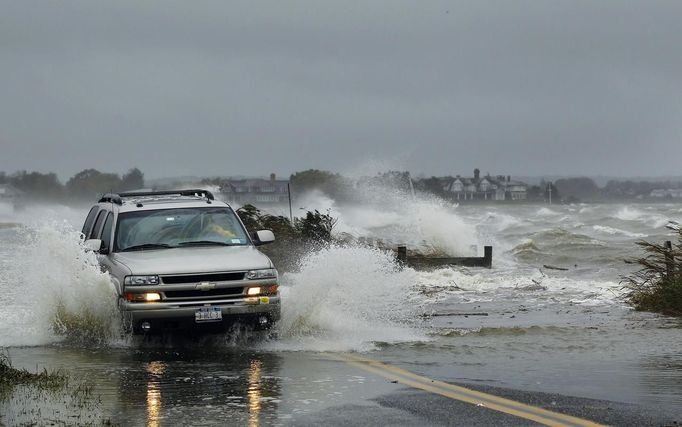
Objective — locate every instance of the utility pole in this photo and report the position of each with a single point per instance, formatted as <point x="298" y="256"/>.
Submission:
<point x="549" y="188"/>
<point x="291" y="214"/>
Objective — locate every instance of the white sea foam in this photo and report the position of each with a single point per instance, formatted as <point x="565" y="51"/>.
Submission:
<point x="499" y="221"/>
<point x="653" y="220"/>
<point x="347" y="298"/>
<point x="546" y="212"/>
<point x="616" y="231"/>
<point x="628" y="213"/>
<point x="38" y="215"/>
<point x="401" y="218"/>
<point x="49" y="267"/>
<point x="474" y="286"/>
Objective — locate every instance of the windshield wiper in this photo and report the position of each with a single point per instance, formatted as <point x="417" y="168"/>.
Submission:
<point x="207" y="243"/>
<point x="147" y="246"/>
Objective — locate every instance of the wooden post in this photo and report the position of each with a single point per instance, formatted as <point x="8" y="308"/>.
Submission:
<point x="488" y="256"/>
<point x="669" y="260"/>
<point x="402" y="254"/>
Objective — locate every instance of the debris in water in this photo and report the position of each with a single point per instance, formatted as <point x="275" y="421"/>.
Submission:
<point x="552" y="267"/>
<point x="454" y="314"/>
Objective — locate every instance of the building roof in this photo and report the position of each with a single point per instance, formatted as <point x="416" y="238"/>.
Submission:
<point x="494" y="181"/>
<point x="231" y="184"/>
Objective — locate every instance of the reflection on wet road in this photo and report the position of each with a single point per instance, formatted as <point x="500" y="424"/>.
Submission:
<point x="254" y="392"/>
<point x="155" y="370"/>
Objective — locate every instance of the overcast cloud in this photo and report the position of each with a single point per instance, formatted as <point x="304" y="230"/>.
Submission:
<point x="227" y="88"/>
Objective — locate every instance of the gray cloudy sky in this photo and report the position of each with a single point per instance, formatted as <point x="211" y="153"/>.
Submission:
<point x="223" y="87"/>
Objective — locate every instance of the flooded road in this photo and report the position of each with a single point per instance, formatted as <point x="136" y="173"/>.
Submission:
<point x="205" y="383"/>
<point x="517" y="326"/>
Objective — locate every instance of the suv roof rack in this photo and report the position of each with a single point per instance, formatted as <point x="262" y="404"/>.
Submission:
<point x="117" y="198"/>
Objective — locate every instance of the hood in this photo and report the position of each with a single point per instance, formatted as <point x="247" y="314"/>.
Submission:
<point x="192" y="260"/>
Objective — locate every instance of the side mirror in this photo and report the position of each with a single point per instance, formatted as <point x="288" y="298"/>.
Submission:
<point x="263" y="237"/>
<point x="94" y="245"/>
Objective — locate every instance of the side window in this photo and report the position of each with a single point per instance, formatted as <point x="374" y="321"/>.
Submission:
<point x="98" y="224"/>
<point x="89" y="220"/>
<point x="106" y="231"/>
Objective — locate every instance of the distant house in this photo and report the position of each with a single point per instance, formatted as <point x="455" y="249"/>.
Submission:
<point x="487" y="188"/>
<point x="9" y="193"/>
<point x="256" y="191"/>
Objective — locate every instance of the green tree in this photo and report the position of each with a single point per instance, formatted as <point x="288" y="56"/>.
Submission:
<point x="45" y="186"/>
<point x="89" y="183"/>
<point x="433" y="185"/>
<point x="582" y="188"/>
<point x="332" y="184"/>
<point x="316" y="227"/>
<point x="133" y="180"/>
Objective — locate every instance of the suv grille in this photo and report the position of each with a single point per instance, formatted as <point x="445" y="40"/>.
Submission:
<point x="197" y="278"/>
<point x="223" y="292"/>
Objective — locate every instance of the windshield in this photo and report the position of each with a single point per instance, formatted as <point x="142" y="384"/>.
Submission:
<point x="170" y="228"/>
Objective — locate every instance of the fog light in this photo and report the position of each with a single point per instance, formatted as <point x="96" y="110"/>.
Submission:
<point x="152" y="296"/>
<point x="263" y="320"/>
<point x="148" y="297"/>
<point x="145" y="326"/>
<point x="254" y="291"/>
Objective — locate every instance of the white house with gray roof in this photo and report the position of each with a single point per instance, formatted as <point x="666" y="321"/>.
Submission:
<point x="496" y="188"/>
<point x="255" y="191"/>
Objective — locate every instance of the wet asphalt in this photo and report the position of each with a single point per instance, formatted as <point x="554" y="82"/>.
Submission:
<point x="211" y="386"/>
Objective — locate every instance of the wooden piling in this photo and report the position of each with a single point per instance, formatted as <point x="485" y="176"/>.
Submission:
<point x="402" y="254"/>
<point x="488" y="256"/>
<point x="425" y="262"/>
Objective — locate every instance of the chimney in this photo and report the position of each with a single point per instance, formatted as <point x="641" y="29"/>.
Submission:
<point x="477" y="174"/>
<point x="272" y="177"/>
<point x="508" y="178"/>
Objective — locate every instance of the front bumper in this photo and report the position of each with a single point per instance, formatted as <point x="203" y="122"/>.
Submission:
<point x="181" y="315"/>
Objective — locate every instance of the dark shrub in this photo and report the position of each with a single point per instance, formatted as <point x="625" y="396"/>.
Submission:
<point x="293" y="241"/>
<point x="657" y="285"/>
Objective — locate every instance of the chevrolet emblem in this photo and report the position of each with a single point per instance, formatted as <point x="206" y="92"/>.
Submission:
<point x="205" y="286"/>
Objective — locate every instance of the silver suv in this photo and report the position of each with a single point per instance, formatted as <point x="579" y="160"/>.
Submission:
<point x="182" y="259"/>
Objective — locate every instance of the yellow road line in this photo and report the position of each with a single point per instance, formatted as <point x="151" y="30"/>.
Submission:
<point x="464" y="394"/>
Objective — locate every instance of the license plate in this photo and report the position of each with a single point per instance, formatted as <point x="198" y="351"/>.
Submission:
<point x="208" y="314"/>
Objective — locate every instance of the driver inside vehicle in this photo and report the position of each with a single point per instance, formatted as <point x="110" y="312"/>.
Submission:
<point x="217" y="228"/>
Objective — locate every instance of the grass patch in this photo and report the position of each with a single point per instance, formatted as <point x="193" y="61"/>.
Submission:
<point x="657" y="285"/>
<point x="11" y="377"/>
<point x="46" y="398"/>
<point x="84" y="327"/>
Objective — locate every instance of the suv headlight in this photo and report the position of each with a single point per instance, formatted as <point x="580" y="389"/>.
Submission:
<point x="141" y="280"/>
<point x="267" y="273"/>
